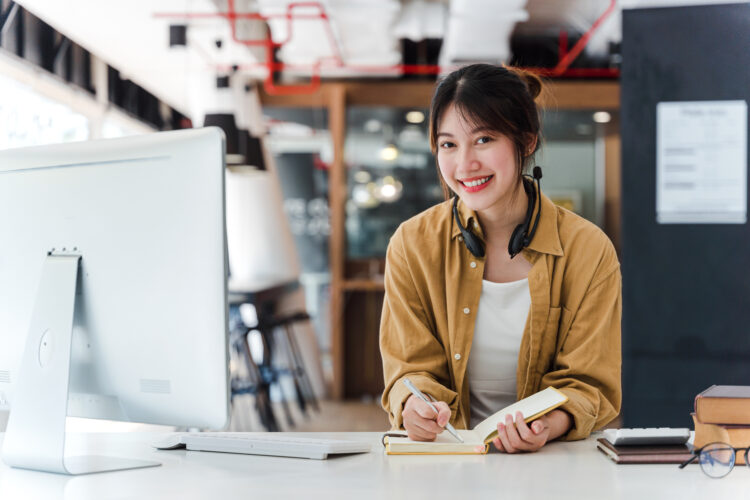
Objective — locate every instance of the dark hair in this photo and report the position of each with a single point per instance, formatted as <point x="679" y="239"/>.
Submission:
<point x="496" y="97"/>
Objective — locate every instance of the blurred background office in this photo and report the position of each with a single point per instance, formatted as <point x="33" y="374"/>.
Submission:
<point x="325" y="107"/>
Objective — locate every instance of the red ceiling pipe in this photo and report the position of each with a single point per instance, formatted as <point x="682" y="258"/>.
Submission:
<point x="562" y="44"/>
<point x="568" y="59"/>
<point x="269" y="85"/>
<point x="232" y="16"/>
<point x="562" y="68"/>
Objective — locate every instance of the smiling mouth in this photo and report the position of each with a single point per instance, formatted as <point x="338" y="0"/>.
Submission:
<point x="476" y="181"/>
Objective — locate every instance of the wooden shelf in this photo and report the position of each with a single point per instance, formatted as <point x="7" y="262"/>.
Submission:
<point x="364" y="285"/>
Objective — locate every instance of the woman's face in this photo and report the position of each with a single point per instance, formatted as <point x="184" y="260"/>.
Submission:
<point x="478" y="164"/>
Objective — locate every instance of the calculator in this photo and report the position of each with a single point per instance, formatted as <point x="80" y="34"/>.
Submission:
<point x="647" y="436"/>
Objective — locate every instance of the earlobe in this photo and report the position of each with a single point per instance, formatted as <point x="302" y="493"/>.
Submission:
<point x="532" y="146"/>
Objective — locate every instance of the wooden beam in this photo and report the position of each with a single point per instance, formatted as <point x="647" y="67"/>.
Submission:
<point x="612" y="184"/>
<point x="319" y="99"/>
<point x="565" y="94"/>
<point x="337" y="243"/>
<point x="396" y="94"/>
<point x="559" y="94"/>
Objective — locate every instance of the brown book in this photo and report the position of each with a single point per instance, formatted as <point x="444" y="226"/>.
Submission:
<point x="738" y="436"/>
<point x="724" y="404"/>
<point x="659" y="454"/>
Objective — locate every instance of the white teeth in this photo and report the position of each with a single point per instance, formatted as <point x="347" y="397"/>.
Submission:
<point x="477" y="182"/>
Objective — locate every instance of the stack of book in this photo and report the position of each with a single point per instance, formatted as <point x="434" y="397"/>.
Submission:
<point x="722" y="414"/>
<point x="645" y="454"/>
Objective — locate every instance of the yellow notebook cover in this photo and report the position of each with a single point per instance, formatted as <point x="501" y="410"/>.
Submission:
<point x="476" y="440"/>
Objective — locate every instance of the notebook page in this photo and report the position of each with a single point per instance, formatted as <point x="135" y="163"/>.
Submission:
<point x="443" y="444"/>
<point x="536" y="404"/>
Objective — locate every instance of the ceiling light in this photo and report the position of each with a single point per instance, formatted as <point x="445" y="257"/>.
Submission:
<point x="362" y="177"/>
<point x="389" y="153"/>
<point x="415" y="117"/>
<point x="389" y="189"/>
<point x="602" y="117"/>
<point x="363" y="195"/>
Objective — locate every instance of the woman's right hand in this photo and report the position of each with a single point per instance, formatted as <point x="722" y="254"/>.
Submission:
<point x="421" y="422"/>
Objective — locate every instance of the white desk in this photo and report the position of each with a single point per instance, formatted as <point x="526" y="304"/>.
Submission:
<point x="559" y="471"/>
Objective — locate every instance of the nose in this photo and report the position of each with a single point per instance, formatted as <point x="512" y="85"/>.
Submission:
<point x="468" y="161"/>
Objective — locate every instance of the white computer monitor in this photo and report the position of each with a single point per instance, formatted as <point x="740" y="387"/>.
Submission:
<point x="113" y="299"/>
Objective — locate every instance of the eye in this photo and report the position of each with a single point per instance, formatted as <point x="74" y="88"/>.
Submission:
<point x="446" y="145"/>
<point x="484" y="139"/>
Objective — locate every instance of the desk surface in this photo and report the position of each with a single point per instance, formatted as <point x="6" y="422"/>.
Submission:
<point x="560" y="470"/>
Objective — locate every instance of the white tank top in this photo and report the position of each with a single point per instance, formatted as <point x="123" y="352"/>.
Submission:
<point x="501" y="319"/>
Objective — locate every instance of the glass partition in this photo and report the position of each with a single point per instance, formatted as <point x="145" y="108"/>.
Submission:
<point x="391" y="175"/>
<point x="300" y="144"/>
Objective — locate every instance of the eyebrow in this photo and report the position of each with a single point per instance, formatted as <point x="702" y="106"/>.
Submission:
<point x="478" y="129"/>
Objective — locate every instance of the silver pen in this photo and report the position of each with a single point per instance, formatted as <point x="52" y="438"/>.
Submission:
<point x="421" y="396"/>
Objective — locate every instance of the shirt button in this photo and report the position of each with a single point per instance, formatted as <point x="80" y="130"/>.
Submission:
<point x="466" y="310"/>
<point x="476" y="225"/>
<point x="457" y="357"/>
<point x="460" y="238"/>
<point x="473" y="264"/>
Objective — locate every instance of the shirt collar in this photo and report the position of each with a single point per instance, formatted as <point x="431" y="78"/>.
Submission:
<point x="546" y="239"/>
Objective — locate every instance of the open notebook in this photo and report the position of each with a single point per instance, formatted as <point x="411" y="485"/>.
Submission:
<point x="476" y="440"/>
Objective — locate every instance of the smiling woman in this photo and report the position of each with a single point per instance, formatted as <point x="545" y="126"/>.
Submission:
<point x="482" y="306"/>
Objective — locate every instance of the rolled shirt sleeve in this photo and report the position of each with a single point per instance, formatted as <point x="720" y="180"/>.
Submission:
<point x="408" y="346"/>
<point x="588" y="367"/>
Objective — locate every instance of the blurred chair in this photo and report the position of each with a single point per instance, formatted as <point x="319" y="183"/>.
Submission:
<point x="264" y="272"/>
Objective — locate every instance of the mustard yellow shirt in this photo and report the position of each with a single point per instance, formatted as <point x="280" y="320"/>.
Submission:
<point x="571" y="340"/>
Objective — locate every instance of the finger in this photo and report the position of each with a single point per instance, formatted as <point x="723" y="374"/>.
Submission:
<point x="513" y="438"/>
<point x="498" y="444"/>
<point x="444" y="413"/>
<point x="523" y="430"/>
<point x="424" y="410"/>
<point x="417" y="434"/>
<point x="426" y="425"/>
<point x="502" y="435"/>
<point x="539" y="426"/>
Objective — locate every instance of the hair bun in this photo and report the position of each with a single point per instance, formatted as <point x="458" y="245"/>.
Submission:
<point x="532" y="81"/>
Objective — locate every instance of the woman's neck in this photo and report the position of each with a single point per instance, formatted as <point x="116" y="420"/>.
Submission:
<point x="499" y="220"/>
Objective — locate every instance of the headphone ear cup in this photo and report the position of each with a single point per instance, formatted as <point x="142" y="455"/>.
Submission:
<point x="515" y="244"/>
<point x="472" y="242"/>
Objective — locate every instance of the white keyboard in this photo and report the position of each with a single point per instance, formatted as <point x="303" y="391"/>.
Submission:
<point x="262" y="443"/>
<point x="647" y="436"/>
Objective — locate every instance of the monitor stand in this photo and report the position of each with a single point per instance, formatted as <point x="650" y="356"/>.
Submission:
<point x="35" y="436"/>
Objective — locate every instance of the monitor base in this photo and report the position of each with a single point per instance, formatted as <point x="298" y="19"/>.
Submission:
<point x="35" y="437"/>
<point x="90" y="464"/>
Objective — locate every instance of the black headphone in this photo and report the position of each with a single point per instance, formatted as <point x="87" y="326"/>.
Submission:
<point x="521" y="236"/>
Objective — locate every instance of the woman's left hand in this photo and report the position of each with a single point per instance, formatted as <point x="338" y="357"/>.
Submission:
<point x="518" y="437"/>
